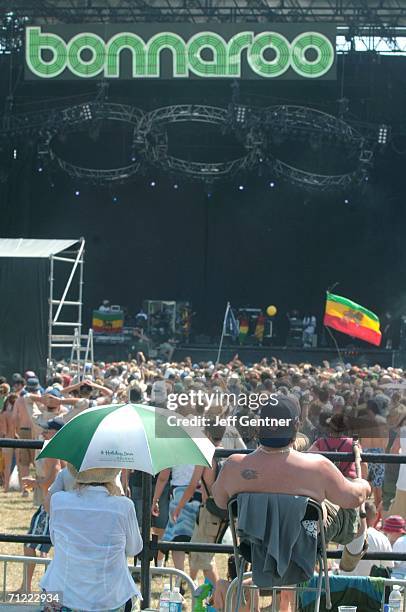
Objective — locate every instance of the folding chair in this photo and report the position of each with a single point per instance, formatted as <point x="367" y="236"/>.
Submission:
<point x="314" y="512"/>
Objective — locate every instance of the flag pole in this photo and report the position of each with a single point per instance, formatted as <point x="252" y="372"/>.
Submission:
<point x="222" y="334"/>
<point x="336" y="345"/>
<point x="330" y="332"/>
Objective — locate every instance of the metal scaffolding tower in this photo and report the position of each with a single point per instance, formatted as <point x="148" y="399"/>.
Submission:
<point x="65" y="308"/>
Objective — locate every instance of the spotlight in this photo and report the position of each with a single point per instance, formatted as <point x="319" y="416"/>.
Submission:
<point x="87" y="112"/>
<point x="40" y="169"/>
<point x="115" y="199"/>
<point x="77" y="193"/>
<point x="241" y="187"/>
<point x="346" y="201"/>
<point x="133" y="159"/>
<point x="240" y="113"/>
<point x="272" y="184"/>
<point x="176" y="186"/>
<point x="383" y="134"/>
<point x="14" y="153"/>
<point x="152" y="184"/>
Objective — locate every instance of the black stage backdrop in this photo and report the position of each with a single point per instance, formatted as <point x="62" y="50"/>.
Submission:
<point x="23" y="315"/>
<point x="257" y="246"/>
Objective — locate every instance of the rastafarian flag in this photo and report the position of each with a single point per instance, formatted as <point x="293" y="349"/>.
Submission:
<point x="352" y="319"/>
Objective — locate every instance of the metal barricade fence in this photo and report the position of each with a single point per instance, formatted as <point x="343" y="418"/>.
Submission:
<point x="7" y="594"/>
<point x="152" y="546"/>
<point x="297" y="590"/>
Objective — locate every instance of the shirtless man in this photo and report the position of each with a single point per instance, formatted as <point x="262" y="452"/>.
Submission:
<point x="276" y="468"/>
<point x="25" y="411"/>
<point x="374" y="432"/>
<point x="7" y="430"/>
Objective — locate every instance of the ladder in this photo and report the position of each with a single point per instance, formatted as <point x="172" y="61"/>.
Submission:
<point x="82" y="345"/>
<point x="65" y="308"/>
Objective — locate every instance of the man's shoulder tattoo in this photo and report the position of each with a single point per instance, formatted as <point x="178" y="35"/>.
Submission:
<point x="249" y="474"/>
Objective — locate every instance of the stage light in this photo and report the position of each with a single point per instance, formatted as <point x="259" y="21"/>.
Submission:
<point x="133" y="158"/>
<point x="272" y="184"/>
<point x="87" y="112"/>
<point x="241" y="187"/>
<point x="115" y="199"/>
<point x="383" y="134"/>
<point x="14" y="153"/>
<point x="152" y="184"/>
<point x="176" y="186"/>
<point x="77" y="193"/>
<point x="240" y="113"/>
<point x="40" y="168"/>
<point x="346" y="201"/>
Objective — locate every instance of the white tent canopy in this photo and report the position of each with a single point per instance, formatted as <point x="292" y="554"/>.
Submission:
<point x="31" y="247"/>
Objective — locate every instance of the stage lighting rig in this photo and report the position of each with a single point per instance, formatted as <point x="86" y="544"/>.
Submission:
<point x="240" y="113"/>
<point x="153" y="130"/>
<point x="383" y="134"/>
<point x="318" y="129"/>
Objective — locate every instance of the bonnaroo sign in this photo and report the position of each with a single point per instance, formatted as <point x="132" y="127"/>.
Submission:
<point x="181" y="52"/>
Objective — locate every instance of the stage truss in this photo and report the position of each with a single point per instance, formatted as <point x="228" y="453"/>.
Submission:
<point x="358" y="13"/>
<point x="154" y="139"/>
<point x="361" y="25"/>
<point x="254" y="128"/>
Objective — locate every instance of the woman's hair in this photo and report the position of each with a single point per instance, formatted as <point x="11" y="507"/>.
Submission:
<point x="111" y="487"/>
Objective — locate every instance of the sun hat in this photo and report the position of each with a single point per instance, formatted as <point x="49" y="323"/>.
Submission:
<point x="394" y="524"/>
<point x="97" y="476"/>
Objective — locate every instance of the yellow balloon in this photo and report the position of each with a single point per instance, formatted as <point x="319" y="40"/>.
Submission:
<point x="271" y="311"/>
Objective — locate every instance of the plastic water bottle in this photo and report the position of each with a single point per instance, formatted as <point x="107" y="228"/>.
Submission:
<point x="176" y="600"/>
<point x="395" y="599"/>
<point x="165" y="599"/>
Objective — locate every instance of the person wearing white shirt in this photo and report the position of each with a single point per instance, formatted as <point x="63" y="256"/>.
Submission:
<point x="377" y="543"/>
<point x="395" y="528"/>
<point x="105" y="306"/>
<point x="398" y="506"/>
<point x="93" y="529"/>
<point x="400" y="566"/>
<point x="66" y="481"/>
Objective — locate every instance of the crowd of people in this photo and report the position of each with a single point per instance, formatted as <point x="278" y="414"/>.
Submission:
<point x="327" y="407"/>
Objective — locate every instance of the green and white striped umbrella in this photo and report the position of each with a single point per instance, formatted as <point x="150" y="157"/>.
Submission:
<point x="131" y="436"/>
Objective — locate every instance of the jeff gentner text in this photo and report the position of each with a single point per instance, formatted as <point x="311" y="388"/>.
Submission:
<point x="229" y="421"/>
